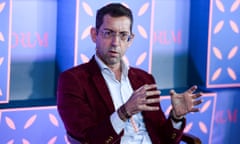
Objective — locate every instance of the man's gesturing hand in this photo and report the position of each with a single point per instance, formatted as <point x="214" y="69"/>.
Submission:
<point x="185" y="102"/>
<point x="142" y="98"/>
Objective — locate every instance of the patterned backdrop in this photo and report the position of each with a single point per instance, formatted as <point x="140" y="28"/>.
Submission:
<point x="181" y="42"/>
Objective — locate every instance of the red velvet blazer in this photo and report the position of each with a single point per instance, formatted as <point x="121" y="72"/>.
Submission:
<point x="85" y="105"/>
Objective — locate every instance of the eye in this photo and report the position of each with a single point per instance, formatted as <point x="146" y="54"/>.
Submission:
<point x="124" y="35"/>
<point x="107" y="34"/>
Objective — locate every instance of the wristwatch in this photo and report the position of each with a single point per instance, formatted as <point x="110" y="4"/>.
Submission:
<point x="173" y="117"/>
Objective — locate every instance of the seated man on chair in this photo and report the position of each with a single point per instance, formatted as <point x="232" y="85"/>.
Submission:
<point x="105" y="101"/>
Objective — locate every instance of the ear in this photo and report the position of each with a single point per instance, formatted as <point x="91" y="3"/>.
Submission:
<point x="93" y="33"/>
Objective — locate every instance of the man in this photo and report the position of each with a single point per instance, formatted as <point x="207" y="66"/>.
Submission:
<point x="106" y="101"/>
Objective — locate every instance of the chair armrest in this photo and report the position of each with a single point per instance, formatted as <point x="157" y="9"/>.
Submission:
<point x="190" y="139"/>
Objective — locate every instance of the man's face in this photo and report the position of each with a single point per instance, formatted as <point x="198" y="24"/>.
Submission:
<point x="112" y="39"/>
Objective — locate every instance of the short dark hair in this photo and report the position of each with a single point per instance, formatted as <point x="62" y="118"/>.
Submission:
<point x="114" y="10"/>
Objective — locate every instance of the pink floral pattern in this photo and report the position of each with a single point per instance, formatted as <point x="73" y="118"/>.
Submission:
<point x="31" y="125"/>
<point x="223" y="65"/>
<point x="2" y="39"/>
<point x="231" y="72"/>
<point x="202" y="120"/>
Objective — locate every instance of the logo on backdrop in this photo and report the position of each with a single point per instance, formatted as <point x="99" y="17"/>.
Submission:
<point x="29" y="40"/>
<point x="225" y="116"/>
<point x="167" y="37"/>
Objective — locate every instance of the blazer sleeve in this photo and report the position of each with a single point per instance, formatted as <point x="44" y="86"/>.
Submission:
<point x="159" y="127"/>
<point x="166" y="132"/>
<point x="79" y="115"/>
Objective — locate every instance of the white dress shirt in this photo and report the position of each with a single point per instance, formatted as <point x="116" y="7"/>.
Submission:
<point x="120" y="92"/>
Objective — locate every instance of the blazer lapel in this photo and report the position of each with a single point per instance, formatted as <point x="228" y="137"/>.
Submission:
<point x="101" y="85"/>
<point x="134" y="79"/>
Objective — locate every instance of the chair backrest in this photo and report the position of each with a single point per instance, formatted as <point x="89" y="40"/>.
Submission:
<point x="190" y="139"/>
<point x="72" y="140"/>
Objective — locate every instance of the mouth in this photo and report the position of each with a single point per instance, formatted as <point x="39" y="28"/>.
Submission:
<point x="113" y="53"/>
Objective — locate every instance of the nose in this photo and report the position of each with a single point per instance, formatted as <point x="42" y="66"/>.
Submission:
<point x="116" y="39"/>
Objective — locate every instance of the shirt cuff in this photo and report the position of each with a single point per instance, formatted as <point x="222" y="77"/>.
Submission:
<point x="117" y="123"/>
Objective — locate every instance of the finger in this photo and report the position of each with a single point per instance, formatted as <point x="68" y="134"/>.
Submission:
<point x="146" y="87"/>
<point x="197" y="102"/>
<point x="172" y="92"/>
<point x="148" y="108"/>
<point x="195" y="110"/>
<point x="197" y="95"/>
<point x="192" y="89"/>
<point x="154" y="92"/>
<point x="150" y="86"/>
<point x="152" y="100"/>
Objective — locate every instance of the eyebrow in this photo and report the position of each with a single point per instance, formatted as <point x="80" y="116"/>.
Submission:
<point x="115" y="31"/>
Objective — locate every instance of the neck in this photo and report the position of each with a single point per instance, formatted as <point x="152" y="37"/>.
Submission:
<point x="117" y="71"/>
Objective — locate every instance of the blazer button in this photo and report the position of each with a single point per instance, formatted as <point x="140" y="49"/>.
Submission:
<point x="173" y="135"/>
<point x="109" y="140"/>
